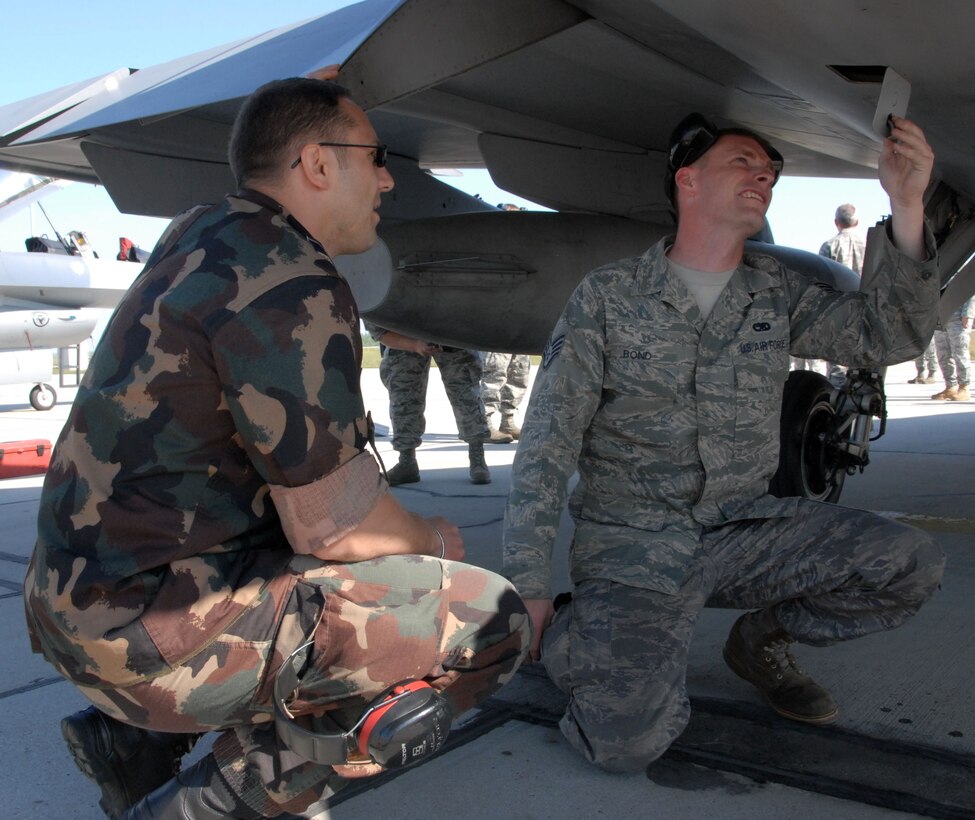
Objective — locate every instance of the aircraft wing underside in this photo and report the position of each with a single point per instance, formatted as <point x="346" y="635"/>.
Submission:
<point x="566" y="102"/>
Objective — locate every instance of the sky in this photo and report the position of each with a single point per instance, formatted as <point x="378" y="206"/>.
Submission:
<point x="51" y="43"/>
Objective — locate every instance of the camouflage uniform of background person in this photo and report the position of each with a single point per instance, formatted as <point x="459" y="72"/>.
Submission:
<point x="211" y="505"/>
<point x="848" y="248"/>
<point x="954" y="353"/>
<point x="405" y="371"/>
<point x="927" y="361"/>
<point x="663" y="390"/>
<point x="504" y="381"/>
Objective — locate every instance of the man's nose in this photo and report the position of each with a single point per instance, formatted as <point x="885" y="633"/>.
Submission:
<point x="385" y="179"/>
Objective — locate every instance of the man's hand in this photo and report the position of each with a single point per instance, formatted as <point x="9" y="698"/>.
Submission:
<point x="398" y="341"/>
<point x="905" y="169"/>
<point x="329" y="72"/>
<point x="906" y="163"/>
<point x="353" y="771"/>
<point x="424" y="348"/>
<point x="389" y="529"/>
<point x="541" y="611"/>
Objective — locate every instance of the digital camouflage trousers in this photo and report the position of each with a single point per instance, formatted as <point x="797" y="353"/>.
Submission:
<point x="828" y="574"/>
<point x="504" y="381"/>
<point x="405" y="376"/>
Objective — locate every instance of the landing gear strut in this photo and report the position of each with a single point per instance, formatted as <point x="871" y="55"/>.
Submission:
<point x="825" y="432"/>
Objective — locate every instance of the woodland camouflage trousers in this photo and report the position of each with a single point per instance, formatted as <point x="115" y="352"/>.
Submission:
<point x="372" y="624"/>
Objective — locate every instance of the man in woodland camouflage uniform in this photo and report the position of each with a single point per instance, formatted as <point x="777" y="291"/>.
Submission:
<point x="504" y="381"/>
<point x="662" y="384"/>
<point x="211" y="506"/>
<point x="405" y="372"/>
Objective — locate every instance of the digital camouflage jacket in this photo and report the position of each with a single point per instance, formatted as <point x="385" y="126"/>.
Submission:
<point x="203" y="446"/>
<point x="671" y="418"/>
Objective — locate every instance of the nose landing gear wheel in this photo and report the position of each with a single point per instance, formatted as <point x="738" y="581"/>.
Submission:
<point x="43" y="397"/>
<point x="810" y="461"/>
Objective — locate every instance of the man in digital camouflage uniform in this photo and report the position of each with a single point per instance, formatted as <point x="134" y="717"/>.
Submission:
<point x="504" y="382"/>
<point x="953" y="344"/>
<point x="846" y="246"/>
<point x="211" y="506"/>
<point x="405" y="372"/>
<point x="662" y="384"/>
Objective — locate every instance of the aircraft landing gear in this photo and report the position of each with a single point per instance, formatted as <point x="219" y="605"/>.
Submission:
<point x="43" y="397"/>
<point x="825" y="432"/>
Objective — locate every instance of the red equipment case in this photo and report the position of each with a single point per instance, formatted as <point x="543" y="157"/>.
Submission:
<point x="28" y="457"/>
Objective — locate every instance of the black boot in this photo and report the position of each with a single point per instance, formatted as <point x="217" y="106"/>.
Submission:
<point x="201" y="793"/>
<point x="125" y="762"/>
<point x="198" y="793"/>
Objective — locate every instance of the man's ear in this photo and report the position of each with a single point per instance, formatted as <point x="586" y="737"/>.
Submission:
<point x="684" y="180"/>
<point x="315" y="166"/>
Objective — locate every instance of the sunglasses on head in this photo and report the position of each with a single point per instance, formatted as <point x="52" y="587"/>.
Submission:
<point x="695" y="135"/>
<point x="690" y="140"/>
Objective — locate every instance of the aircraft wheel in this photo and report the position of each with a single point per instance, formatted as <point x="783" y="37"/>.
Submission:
<point x="43" y="397"/>
<point x="810" y="462"/>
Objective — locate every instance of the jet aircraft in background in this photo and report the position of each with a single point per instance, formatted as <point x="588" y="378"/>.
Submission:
<point x="52" y="295"/>
<point x="568" y="103"/>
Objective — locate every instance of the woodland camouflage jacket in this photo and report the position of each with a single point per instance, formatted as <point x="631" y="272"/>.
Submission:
<point x="219" y="406"/>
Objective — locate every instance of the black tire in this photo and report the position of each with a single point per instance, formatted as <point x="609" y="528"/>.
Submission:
<point x="43" y="397"/>
<point x="810" y="464"/>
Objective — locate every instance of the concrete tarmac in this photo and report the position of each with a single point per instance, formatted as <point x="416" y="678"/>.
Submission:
<point x="904" y="744"/>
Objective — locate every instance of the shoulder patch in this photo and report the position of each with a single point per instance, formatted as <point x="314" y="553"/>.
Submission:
<point x="552" y="349"/>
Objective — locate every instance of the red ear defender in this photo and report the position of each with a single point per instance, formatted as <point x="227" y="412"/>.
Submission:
<point x="406" y="724"/>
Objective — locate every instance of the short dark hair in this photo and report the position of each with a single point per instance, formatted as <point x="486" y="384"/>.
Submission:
<point x="846" y="215"/>
<point x="278" y="119"/>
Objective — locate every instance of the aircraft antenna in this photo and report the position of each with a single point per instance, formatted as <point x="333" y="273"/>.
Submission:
<point x="67" y="247"/>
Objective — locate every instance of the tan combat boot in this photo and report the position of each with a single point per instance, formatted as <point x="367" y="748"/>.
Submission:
<point x="407" y="471"/>
<point x="498" y="436"/>
<point x="961" y="394"/>
<point x="757" y="650"/>
<point x="510" y="426"/>
<point x="479" y="469"/>
<point x="947" y="393"/>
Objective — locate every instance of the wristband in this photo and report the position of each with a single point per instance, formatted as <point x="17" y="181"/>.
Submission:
<point x="443" y="543"/>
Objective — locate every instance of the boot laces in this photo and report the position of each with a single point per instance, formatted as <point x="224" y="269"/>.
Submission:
<point x="778" y="658"/>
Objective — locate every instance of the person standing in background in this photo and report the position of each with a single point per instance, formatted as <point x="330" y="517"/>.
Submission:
<point x="954" y="353"/>
<point x="504" y="381"/>
<point x="405" y="370"/>
<point x="846" y="247"/>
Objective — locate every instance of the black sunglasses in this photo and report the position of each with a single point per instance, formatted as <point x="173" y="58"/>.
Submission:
<point x="379" y="160"/>
<point x="691" y="139"/>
